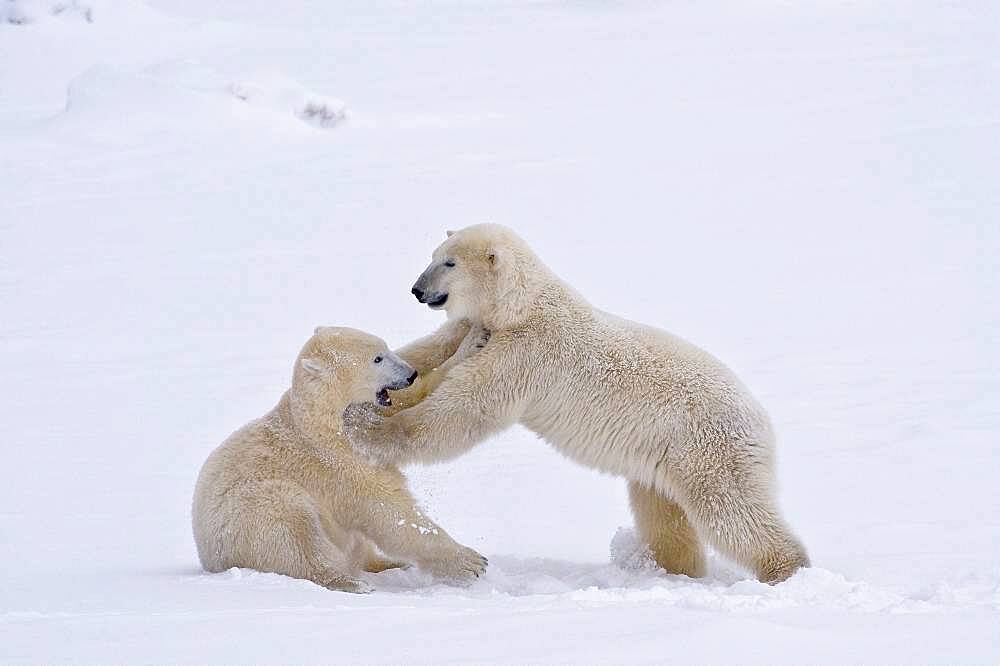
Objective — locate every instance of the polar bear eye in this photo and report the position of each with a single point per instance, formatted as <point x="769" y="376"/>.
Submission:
<point x="377" y="359"/>
<point x="449" y="263"/>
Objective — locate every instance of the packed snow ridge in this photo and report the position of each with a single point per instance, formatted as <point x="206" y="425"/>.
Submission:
<point x="168" y="93"/>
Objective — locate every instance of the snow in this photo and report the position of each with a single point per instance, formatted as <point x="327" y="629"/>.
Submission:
<point x="807" y="190"/>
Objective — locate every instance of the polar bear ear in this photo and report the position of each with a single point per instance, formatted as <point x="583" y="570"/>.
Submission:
<point x="312" y="367"/>
<point x="512" y="295"/>
<point x="448" y="233"/>
<point x="327" y="330"/>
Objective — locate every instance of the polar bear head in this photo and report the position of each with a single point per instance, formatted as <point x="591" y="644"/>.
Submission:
<point x="340" y="366"/>
<point x="483" y="273"/>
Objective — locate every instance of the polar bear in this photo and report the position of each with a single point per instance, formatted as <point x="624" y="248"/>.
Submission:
<point x="625" y="398"/>
<point x="287" y="493"/>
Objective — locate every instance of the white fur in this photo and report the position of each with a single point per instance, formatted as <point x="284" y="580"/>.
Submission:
<point x="615" y="395"/>
<point x="286" y="493"/>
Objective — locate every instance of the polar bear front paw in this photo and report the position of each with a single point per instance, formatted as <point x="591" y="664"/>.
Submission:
<point x="481" y="336"/>
<point x="342" y="583"/>
<point x="475" y="340"/>
<point x="462" y="567"/>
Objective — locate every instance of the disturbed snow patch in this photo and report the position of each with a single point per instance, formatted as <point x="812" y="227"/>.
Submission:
<point x="545" y="581"/>
<point x="28" y="12"/>
<point x="24" y="12"/>
<point x="282" y="95"/>
<point x="629" y="552"/>
<point x="633" y="577"/>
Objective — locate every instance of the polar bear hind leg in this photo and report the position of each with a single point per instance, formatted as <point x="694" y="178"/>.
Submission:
<point x="736" y="513"/>
<point x="664" y="527"/>
<point x="282" y="532"/>
<point x="755" y="536"/>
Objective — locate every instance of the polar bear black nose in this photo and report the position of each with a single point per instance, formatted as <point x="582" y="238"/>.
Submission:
<point x="412" y="378"/>
<point x="418" y="293"/>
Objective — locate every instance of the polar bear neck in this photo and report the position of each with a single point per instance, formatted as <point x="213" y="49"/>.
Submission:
<point x="540" y="294"/>
<point x="525" y="289"/>
<point x="317" y="424"/>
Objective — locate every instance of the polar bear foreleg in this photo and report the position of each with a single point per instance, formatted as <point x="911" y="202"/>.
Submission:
<point x="428" y="379"/>
<point x="431" y="351"/>
<point x="401" y="530"/>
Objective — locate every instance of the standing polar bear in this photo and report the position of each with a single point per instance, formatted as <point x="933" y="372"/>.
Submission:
<point x="287" y="493"/>
<point x="622" y="397"/>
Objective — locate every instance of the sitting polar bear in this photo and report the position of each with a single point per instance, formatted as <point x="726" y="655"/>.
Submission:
<point x="287" y="494"/>
<point x="624" y="398"/>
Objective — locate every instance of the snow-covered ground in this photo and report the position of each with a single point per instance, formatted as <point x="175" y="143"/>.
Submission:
<point x="808" y="190"/>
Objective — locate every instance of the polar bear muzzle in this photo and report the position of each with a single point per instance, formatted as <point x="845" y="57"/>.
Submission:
<point x="404" y="375"/>
<point x="424" y="289"/>
<point x="434" y="299"/>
